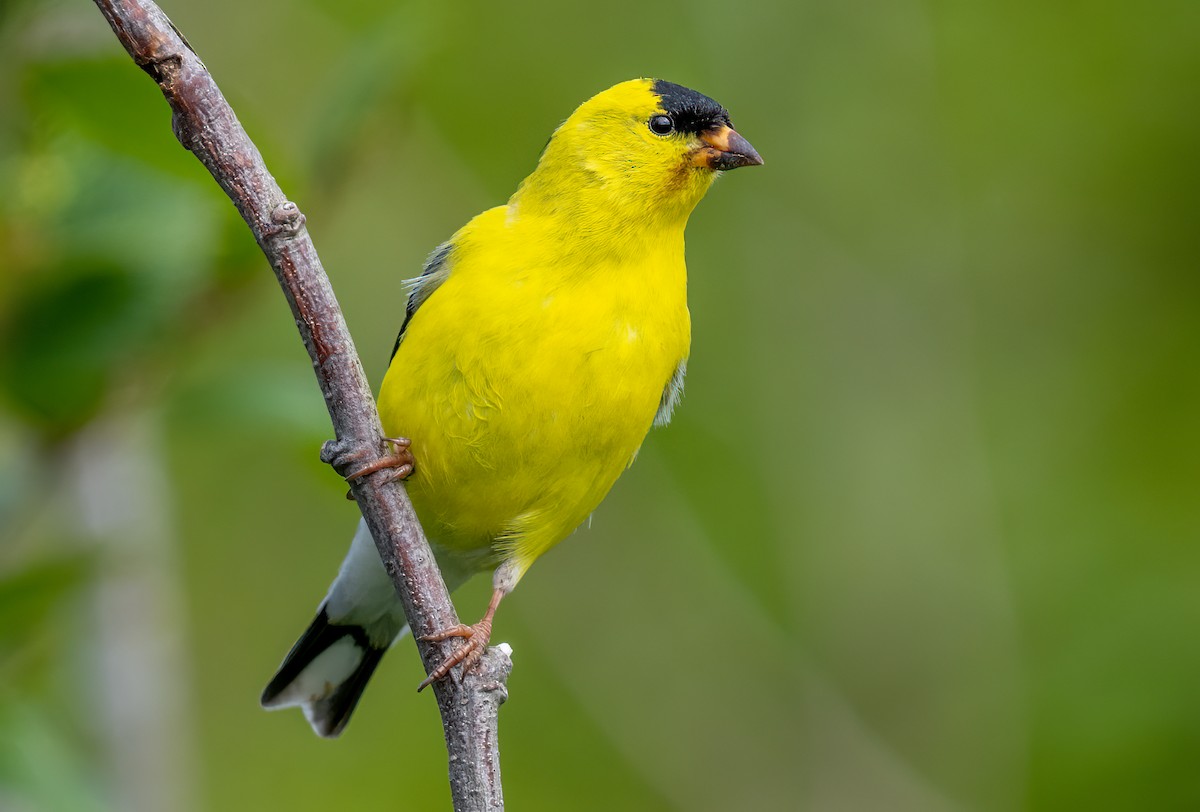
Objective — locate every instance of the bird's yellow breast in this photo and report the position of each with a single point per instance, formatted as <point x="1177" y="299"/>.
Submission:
<point x="529" y="378"/>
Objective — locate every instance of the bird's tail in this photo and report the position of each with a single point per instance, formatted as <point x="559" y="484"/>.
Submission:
<point x="325" y="674"/>
<point x="328" y="668"/>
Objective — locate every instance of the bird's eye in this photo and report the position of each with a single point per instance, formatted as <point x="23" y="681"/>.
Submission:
<point x="661" y="125"/>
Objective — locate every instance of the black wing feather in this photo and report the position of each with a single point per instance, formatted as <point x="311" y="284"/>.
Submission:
<point x="436" y="265"/>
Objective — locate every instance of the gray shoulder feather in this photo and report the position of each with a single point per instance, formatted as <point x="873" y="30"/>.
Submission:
<point x="672" y="394"/>
<point x="433" y="273"/>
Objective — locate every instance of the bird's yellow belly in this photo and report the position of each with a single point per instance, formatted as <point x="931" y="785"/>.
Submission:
<point x="524" y="407"/>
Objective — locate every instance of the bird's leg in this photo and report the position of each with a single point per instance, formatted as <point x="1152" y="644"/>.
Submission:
<point x="469" y="654"/>
<point x="400" y="460"/>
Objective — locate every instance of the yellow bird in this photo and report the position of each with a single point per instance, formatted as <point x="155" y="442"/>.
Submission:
<point x="540" y="344"/>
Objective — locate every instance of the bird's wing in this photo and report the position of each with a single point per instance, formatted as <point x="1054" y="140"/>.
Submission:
<point x="672" y="394"/>
<point x="434" y="272"/>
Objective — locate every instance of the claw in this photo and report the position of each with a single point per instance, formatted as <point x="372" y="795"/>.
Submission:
<point x="470" y="653"/>
<point x="473" y="657"/>
<point x="403" y="472"/>
<point x="401" y="460"/>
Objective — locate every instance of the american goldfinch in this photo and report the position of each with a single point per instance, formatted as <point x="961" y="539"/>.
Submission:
<point x="539" y="345"/>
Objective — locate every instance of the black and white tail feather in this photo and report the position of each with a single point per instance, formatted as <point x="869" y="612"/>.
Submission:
<point x="329" y="666"/>
<point x="325" y="674"/>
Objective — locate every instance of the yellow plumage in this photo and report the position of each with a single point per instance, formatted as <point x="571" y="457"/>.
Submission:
<point x="540" y="344"/>
<point x="527" y="386"/>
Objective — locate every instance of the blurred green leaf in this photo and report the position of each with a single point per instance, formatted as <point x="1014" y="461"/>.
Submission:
<point x="28" y="594"/>
<point x="64" y="346"/>
<point x="131" y="251"/>
<point x="76" y="95"/>
<point x="255" y="397"/>
<point x="366" y="84"/>
<point x="40" y="767"/>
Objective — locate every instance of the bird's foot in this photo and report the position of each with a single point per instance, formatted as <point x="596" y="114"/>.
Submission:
<point x="400" y="460"/>
<point x="468" y="654"/>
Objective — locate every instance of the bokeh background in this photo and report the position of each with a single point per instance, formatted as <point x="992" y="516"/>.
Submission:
<point x="925" y="534"/>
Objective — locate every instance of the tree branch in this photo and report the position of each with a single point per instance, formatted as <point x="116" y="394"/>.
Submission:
<point x="205" y="124"/>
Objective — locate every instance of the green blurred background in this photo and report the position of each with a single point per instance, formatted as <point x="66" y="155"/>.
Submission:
<point x="923" y="536"/>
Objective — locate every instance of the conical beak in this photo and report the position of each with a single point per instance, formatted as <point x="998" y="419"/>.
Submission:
<point x="725" y="149"/>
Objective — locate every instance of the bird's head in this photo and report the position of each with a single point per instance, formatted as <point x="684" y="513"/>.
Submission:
<point x="644" y="149"/>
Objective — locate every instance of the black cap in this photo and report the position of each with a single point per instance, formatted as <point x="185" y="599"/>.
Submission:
<point x="692" y="112"/>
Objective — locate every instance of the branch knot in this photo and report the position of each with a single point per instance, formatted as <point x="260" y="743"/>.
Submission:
<point x="343" y="455"/>
<point x="288" y="220"/>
